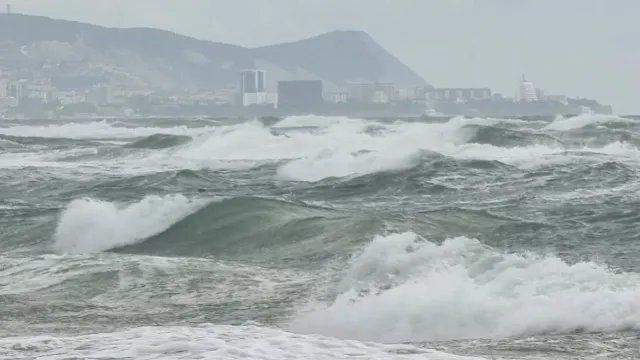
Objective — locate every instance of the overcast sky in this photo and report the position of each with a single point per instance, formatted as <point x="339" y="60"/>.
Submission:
<point x="588" y="48"/>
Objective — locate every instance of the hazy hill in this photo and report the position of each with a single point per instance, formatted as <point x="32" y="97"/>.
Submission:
<point x="162" y="59"/>
<point x="341" y="56"/>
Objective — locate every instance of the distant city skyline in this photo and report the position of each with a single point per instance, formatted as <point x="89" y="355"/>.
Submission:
<point x="457" y="44"/>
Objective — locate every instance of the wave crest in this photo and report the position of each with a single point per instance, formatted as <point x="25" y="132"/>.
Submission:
<point x="403" y="288"/>
<point x="88" y="225"/>
<point x="242" y="227"/>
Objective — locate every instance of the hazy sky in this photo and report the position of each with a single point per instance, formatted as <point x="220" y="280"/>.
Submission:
<point x="586" y="48"/>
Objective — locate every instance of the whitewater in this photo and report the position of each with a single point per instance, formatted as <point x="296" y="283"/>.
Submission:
<point x="320" y="238"/>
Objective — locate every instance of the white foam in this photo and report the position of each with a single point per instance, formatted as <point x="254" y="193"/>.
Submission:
<point x="89" y="225"/>
<point x="332" y="164"/>
<point x="405" y="289"/>
<point x="96" y="130"/>
<point x="340" y="147"/>
<point x="311" y="121"/>
<point x="346" y="147"/>
<point x="139" y="284"/>
<point x="580" y="121"/>
<point x="209" y="342"/>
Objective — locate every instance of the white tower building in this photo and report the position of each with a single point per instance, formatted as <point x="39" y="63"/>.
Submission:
<point x="528" y="92"/>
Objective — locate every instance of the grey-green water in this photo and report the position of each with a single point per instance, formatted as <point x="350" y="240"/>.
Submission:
<point x="320" y="238"/>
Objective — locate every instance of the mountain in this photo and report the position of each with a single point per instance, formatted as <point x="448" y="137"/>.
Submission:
<point x="339" y="57"/>
<point x="143" y="57"/>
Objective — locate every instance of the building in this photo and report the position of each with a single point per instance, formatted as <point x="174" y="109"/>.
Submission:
<point x="380" y="97"/>
<point x="528" y="92"/>
<point x="420" y="93"/>
<point x="301" y="95"/>
<point x="558" y="98"/>
<point x="4" y="87"/>
<point x="370" y="91"/>
<point x="42" y="92"/>
<point x="99" y="95"/>
<point x="404" y="94"/>
<point x="16" y="90"/>
<point x="336" y="97"/>
<point x="457" y="94"/>
<point x="7" y="102"/>
<point x="68" y="97"/>
<point x="253" y="87"/>
<point x="260" y="98"/>
<point x="253" y="81"/>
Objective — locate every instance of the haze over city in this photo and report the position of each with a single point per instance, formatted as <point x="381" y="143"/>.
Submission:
<point x="319" y="179"/>
<point x="581" y="48"/>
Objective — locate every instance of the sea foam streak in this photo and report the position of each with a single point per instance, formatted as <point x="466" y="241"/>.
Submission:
<point x="214" y="342"/>
<point x="402" y="288"/>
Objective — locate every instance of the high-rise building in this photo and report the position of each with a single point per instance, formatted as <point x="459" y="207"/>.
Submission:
<point x="300" y="95"/>
<point x="528" y="92"/>
<point x="253" y="87"/>
<point x="253" y="81"/>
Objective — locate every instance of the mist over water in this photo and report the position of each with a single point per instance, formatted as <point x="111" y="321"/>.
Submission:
<point x="321" y="238"/>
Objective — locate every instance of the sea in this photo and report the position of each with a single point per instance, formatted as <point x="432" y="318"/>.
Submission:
<point x="320" y="238"/>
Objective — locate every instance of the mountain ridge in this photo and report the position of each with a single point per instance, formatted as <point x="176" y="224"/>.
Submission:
<point x="164" y="59"/>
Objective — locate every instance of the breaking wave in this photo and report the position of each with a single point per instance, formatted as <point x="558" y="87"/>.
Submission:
<point x="403" y="288"/>
<point x="399" y="288"/>
<point x="333" y="233"/>
<point x="315" y="148"/>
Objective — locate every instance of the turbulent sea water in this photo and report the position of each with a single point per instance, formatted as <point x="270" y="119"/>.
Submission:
<point x="320" y="238"/>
